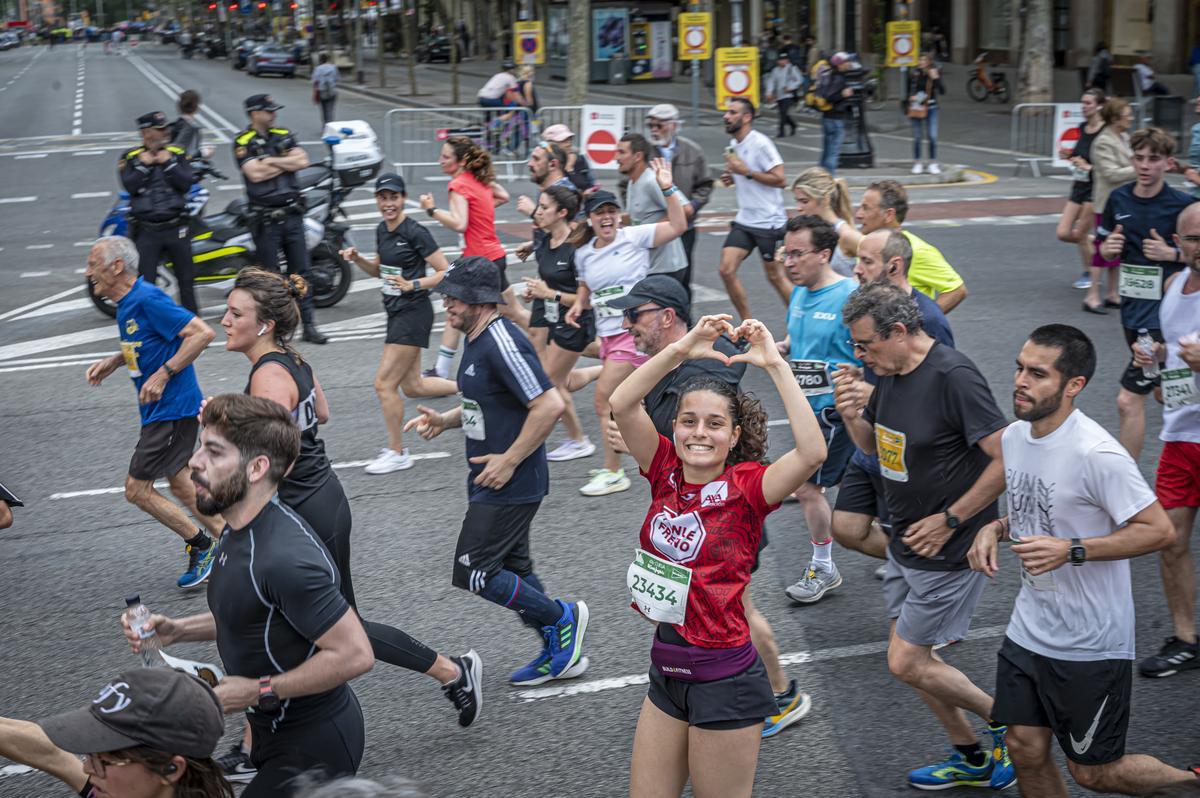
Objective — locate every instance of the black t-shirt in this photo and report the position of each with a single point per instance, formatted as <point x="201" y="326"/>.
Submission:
<point x="274" y="591"/>
<point x="928" y="424"/>
<point x="280" y="190"/>
<point x="557" y="267"/>
<point x="661" y="401"/>
<point x="406" y="249"/>
<point x="311" y="469"/>
<point x="1083" y="148"/>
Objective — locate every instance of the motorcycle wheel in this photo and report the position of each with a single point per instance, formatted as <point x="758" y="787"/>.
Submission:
<point x="103" y="304"/>
<point x="977" y="89"/>
<point x="329" y="275"/>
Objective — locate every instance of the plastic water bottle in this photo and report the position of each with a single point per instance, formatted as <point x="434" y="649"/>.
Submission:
<point x="1146" y="344"/>
<point x="138" y="617"/>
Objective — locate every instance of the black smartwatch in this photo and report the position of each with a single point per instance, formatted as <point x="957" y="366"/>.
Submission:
<point x="170" y="371"/>
<point x="952" y="520"/>
<point x="431" y="212"/>
<point x="1078" y="552"/>
<point x="268" y="700"/>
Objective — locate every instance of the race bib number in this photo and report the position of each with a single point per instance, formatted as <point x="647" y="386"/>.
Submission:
<point x="305" y="413"/>
<point x="1141" y="282"/>
<point x="1043" y="582"/>
<point x="550" y="310"/>
<point x="1179" y="388"/>
<point x="812" y="376"/>
<point x="472" y="421"/>
<point x="129" y="352"/>
<point x="889" y="446"/>
<point x="658" y="588"/>
<point x="1080" y="175"/>
<point x="388" y="288"/>
<point x="602" y="297"/>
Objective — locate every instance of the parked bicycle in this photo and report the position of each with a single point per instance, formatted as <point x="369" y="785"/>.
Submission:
<point x="984" y="84"/>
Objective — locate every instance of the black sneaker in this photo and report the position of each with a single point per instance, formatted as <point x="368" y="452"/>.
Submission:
<point x="1175" y="656"/>
<point x="313" y="335"/>
<point x="236" y="765"/>
<point x="467" y="692"/>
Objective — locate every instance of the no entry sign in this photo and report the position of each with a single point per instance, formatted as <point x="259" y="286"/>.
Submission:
<point x="602" y="126"/>
<point x="1067" y="119"/>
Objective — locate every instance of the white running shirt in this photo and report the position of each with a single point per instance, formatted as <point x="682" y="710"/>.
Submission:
<point x="758" y="205"/>
<point x="611" y="271"/>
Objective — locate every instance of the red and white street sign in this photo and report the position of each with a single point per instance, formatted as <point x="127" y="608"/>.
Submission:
<point x="602" y="126"/>
<point x="1067" y="119"/>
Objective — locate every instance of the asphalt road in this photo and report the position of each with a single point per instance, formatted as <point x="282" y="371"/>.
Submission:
<point x="77" y="549"/>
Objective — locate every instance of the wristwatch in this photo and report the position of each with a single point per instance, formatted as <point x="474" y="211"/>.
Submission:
<point x="952" y="520"/>
<point x="558" y="296"/>
<point x="268" y="700"/>
<point x="1078" y="552"/>
<point x="431" y="212"/>
<point x="170" y="371"/>
<point x="416" y="285"/>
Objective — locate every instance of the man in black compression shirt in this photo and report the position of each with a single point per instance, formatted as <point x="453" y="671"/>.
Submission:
<point x="287" y="637"/>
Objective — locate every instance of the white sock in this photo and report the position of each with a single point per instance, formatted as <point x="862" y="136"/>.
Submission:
<point x="445" y="360"/>
<point x="823" y="552"/>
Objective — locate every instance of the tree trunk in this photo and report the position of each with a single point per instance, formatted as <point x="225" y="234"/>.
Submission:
<point x="1035" y="74"/>
<point x="410" y="44"/>
<point x="578" y="66"/>
<point x="454" y="52"/>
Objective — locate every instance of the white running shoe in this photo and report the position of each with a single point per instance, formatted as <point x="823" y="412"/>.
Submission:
<point x="389" y="460"/>
<point x="604" y="482"/>
<point x="918" y="168"/>
<point x="816" y="582"/>
<point x="934" y="169"/>
<point x="571" y="450"/>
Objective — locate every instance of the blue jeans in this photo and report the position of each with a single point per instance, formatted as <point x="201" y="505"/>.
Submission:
<point x="930" y="125"/>
<point x="833" y="131"/>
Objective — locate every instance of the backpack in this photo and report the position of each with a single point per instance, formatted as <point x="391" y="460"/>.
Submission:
<point x="822" y="75"/>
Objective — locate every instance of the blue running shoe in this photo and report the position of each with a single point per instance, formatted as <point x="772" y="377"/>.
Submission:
<point x="566" y="637"/>
<point x="538" y="669"/>
<point x="1004" y="775"/>
<point x="793" y="705"/>
<point x="200" y="565"/>
<point x="954" y="772"/>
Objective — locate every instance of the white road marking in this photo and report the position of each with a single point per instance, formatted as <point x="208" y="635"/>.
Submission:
<point x="222" y="127"/>
<point x="31" y="156"/>
<point x="91" y="194"/>
<point x="31" y="306"/>
<point x="40" y="246"/>
<point x="57" y="307"/>
<point x="34" y="274"/>
<point x="78" y="153"/>
<point x="11" y="200"/>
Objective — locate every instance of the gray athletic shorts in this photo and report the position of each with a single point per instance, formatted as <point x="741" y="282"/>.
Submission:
<point x="931" y="607"/>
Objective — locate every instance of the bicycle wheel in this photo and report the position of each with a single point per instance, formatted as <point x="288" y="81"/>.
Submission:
<point x="977" y="89"/>
<point x="1001" y="90"/>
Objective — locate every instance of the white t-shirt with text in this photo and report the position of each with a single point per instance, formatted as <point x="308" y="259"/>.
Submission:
<point x="612" y="270"/>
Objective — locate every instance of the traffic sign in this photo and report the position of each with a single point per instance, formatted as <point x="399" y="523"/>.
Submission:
<point x="1067" y="119"/>
<point x="529" y="42"/>
<point x="904" y="43"/>
<point x="695" y="36"/>
<point x="737" y="74"/>
<point x="602" y="126"/>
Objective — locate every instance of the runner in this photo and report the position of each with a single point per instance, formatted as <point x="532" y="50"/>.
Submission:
<point x="1136" y="228"/>
<point x="508" y="409"/>
<point x="653" y="333"/>
<point x="545" y="169"/>
<point x="1079" y="510"/>
<point x="289" y="641"/>
<point x="646" y="202"/>
<point x="403" y="250"/>
<point x="1078" y="217"/>
<point x="576" y="167"/>
<point x="817" y="342"/>
<point x="1178" y="479"/>
<point x="754" y="167"/>
<point x="702" y="716"/>
<point x="885" y="205"/>
<point x="820" y="194"/>
<point x="159" y="342"/>
<point x="609" y="259"/>
<point x="933" y="454"/>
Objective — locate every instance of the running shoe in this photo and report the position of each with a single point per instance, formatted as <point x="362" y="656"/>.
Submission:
<point x="571" y="450"/>
<point x="881" y="571"/>
<point x="466" y="692"/>
<point x="428" y="373"/>
<point x="1175" y="656"/>
<point x="954" y="772"/>
<point x="1004" y="774"/>
<point x="934" y="169"/>
<point x="538" y="670"/>
<point x="604" y="482"/>
<point x="816" y="582"/>
<point x="200" y="563"/>
<point x="793" y="705"/>
<point x="1083" y="283"/>
<point x="918" y="168"/>
<point x="236" y="765"/>
<point x="566" y="636"/>
<point x="389" y="460"/>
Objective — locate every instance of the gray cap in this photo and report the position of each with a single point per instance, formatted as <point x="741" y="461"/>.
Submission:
<point x="474" y="280"/>
<point x="664" y="112"/>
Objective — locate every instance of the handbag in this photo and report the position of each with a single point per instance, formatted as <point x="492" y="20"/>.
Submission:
<point x="919" y="109"/>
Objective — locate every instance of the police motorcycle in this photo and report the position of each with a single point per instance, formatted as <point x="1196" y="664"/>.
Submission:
<point x="222" y="244"/>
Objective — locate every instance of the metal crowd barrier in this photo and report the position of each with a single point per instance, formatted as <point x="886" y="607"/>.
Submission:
<point x="570" y="115"/>
<point x="1031" y="138"/>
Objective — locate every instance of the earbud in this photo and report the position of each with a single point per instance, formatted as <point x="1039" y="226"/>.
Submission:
<point x="171" y="768"/>
<point x="262" y="330"/>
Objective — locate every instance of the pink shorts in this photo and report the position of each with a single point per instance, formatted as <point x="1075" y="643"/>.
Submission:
<point x="620" y="347"/>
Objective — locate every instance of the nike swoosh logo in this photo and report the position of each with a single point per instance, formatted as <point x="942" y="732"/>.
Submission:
<point x="1081" y="746"/>
<point x="1123" y="215"/>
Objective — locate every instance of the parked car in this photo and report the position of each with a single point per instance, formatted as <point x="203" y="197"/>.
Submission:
<point x="241" y="53"/>
<point x="272" y="59"/>
<point x="435" y="48"/>
<point x="9" y="40"/>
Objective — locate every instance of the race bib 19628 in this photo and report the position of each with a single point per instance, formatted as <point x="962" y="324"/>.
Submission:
<point x="1141" y="282"/>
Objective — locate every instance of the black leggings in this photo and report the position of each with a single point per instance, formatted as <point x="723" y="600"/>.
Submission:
<point x="324" y="749"/>
<point x="328" y="512"/>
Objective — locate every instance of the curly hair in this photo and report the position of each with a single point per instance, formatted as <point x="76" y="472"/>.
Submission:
<point x="745" y="411"/>
<point x="202" y="778"/>
<point x="475" y="159"/>
<point x="276" y="299"/>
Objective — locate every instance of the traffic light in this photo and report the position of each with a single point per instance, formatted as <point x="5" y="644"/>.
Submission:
<point x="212" y="6"/>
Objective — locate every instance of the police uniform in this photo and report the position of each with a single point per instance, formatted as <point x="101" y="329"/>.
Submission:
<point x="276" y="207"/>
<point x="158" y="210"/>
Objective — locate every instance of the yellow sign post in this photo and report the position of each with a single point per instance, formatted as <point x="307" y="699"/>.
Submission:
<point x="529" y="42"/>
<point x="737" y="74"/>
<point x="903" y="43"/>
<point x="695" y="36"/>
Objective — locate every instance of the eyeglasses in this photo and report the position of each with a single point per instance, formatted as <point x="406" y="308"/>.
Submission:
<point x="1190" y="239"/>
<point x="100" y="763"/>
<point x="797" y="253"/>
<point x="863" y="346"/>
<point x="633" y="314"/>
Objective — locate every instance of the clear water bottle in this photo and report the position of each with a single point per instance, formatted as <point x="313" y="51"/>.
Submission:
<point x="1146" y="344"/>
<point x="138" y="617"/>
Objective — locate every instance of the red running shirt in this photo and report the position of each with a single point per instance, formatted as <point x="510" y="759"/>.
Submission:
<point x="713" y="529"/>
<point x="480" y="236"/>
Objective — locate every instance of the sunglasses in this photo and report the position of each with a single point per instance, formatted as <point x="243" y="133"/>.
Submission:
<point x="633" y="314"/>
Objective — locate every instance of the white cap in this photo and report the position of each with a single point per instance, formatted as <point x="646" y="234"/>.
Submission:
<point x="664" y="112"/>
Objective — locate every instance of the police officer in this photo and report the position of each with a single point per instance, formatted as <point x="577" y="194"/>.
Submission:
<point x="269" y="158"/>
<point x="158" y="177"/>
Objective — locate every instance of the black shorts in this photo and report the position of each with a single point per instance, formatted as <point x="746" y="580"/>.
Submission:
<point x="1133" y="379"/>
<point x="839" y="448"/>
<point x="493" y="537"/>
<point x="574" y="339"/>
<point x="324" y="749"/>
<point x="764" y="239"/>
<point x="411" y="326"/>
<point x="1088" y="699"/>
<point x="164" y="448"/>
<point x="1081" y="192"/>
<point x="862" y="493"/>
<point x="502" y="264"/>
<point x="735" y="702"/>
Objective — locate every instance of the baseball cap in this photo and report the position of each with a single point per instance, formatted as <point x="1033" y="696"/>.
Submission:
<point x="664" y="112"/>
<point x="508" y="64"/>
<point x="557" y="133"/>
<point x="661" y="289"/>
<point x="261" y="102"/>
<point x="390" y="181"/>
<point x="160" y="708"/>
<point x="155" y="119"/>
<point x="783" y="56"/>
<point x="599" y="199"/>
<point x="474" y="280"/>
<point x="840" y="57"/>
